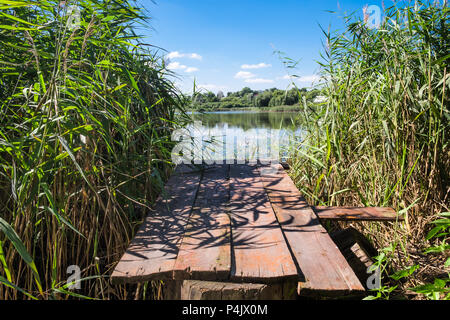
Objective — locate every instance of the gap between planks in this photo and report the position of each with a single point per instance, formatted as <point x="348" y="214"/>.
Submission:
<point x="260" y="251"/>
<point x="154" y="249"/>
<point x="323" y="265"/>
<point x="205" y="251"/>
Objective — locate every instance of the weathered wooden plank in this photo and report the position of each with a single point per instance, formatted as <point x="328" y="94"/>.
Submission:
<point x="205" y="251"/>
<point x="356" y="213"/>
<point x="357" y="250"/>
<point x="320" y="261"/>
<point x="259" y="251"/>
<point x="153" y="251"/>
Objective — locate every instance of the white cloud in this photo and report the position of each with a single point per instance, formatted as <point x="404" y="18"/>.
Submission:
<point x="191" y="69"/>
<point x="176" y="54"/>
<point x="244" y="75"/>
<point x="195" y="56"/>
<point x="256" y="66"/>
<point x="176" y="66"/>
<point x="259" y="80"/>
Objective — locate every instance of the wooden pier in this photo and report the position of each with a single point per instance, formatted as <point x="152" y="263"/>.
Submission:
<point x="240" y="231"/>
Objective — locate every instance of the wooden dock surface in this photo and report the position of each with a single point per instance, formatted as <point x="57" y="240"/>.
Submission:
<point x="235" y="223"/>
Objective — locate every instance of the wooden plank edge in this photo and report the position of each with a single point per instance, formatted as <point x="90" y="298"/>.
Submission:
<point x="265" y="280"/>
<point x="117" y="279"/>
<point x="357" y="213"/>
<point x="304" y="290"/>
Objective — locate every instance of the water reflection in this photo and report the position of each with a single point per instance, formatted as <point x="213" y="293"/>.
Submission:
<point x="243" y="135"/>
<point x="248" y="119"/>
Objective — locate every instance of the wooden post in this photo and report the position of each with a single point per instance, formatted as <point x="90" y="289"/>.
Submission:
<point x="211" y="290"/>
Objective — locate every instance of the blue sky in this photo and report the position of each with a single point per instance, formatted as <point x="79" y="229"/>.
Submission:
<point x="227" y="45"/>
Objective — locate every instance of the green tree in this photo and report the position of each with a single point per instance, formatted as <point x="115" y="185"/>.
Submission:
<point x="263" y="99"/>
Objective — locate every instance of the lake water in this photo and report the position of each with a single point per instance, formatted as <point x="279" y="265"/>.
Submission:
<point x="242" y="135"/>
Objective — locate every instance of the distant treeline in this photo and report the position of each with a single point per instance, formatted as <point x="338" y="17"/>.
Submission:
<point x="248" y="98"/>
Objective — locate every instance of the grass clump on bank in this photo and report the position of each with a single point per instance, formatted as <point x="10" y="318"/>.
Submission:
<point x="382" y="139"/>
<point x="86" y="114"/>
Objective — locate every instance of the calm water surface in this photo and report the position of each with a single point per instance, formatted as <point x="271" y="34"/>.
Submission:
<point x="239" y="134"/>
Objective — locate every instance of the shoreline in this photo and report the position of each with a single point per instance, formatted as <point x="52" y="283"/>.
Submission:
<point x="254" y="109"/>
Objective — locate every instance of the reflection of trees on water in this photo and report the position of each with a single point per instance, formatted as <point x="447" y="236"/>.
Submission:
<point x="248" y="135"/>
<point x="249" y="120"/>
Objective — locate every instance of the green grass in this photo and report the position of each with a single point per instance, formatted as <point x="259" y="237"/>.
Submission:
<point x="382" y="137"/>
<point x="86" y="116"/>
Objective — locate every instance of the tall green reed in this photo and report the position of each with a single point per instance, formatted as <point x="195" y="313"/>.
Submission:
<point x="86" y="114"/>
<point x="382" y="138"/>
